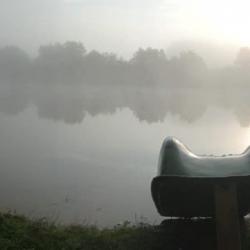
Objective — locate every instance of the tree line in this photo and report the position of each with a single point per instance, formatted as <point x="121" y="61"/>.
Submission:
<point x="64" y="82"/>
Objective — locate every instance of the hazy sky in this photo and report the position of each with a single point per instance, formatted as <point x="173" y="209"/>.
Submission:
<point x="123" y="26"/>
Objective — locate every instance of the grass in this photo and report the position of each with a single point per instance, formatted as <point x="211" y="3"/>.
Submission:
<point x="19" y="233"/>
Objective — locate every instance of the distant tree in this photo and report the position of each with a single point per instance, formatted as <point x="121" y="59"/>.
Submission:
<point x="104" y="68"/>
<point x="14" y="65"/>
<point x="190" y="62"/>
<point x="149" y="57"/>
<point x="60" y="63"/>
<point x="188" y="69"/>
<point x="148" y="66"/>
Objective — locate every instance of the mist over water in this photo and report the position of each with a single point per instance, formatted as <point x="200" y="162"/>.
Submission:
<point x="81" y="131"/>
<point x="65" y="82"/>
<point x="98" y="171"/>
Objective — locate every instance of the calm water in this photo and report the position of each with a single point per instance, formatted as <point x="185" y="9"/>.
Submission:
<point x="98" y="171"/>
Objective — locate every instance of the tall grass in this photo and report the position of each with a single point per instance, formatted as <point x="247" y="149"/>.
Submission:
<point x="19" y="233"/>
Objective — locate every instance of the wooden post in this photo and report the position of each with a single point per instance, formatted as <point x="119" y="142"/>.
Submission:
<point x="227" y="217"/>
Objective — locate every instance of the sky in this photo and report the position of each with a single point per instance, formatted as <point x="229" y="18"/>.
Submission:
<point x="123" y="26"/>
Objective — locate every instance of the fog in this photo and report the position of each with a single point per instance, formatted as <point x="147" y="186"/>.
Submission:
<point x="90" y="89"/>
<point x="81" y="130"/>
<point x="65" y="82"/>
<point x="98" y="171"/>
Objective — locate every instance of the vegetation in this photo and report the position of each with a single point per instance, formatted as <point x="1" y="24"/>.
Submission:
<point x="18" y="232"/>
<point x="65" y="82"/>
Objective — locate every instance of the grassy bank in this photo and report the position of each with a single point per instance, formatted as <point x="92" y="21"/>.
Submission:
<point x="18" y="232"/>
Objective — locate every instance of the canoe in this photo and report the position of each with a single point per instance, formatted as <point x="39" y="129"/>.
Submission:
<point x="184" y="185"/>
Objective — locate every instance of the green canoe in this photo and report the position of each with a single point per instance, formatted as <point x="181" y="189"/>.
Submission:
<point x="184" y="186"/>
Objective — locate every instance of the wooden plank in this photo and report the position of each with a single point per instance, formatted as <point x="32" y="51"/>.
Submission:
<point x="227" y="217"/>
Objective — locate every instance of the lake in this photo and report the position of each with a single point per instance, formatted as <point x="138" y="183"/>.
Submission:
<point x="99" y="171"/>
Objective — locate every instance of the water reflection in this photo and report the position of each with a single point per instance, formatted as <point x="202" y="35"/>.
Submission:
<point x="99" y="171"/>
